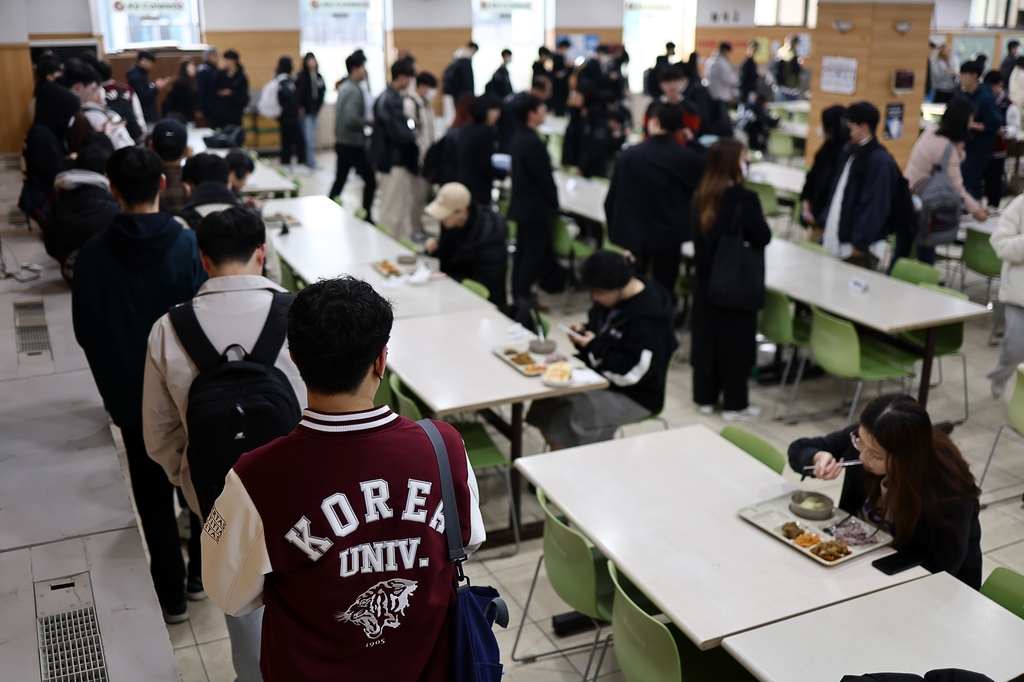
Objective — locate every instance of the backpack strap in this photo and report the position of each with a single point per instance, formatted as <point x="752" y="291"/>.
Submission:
<point x="268" y="345"/>
<point x="193" y="338"/>
<point x="945" y="157"/>
<point x="452" y="529"/>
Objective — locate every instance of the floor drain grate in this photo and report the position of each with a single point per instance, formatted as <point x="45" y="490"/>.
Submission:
<point x="31" y="332"/>
<point x="70" y="648"/>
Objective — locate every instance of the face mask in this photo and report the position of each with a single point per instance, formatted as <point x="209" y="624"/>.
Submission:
<point x="431" y="94"/>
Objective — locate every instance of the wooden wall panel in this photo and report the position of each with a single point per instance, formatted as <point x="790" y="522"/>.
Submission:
<point x="258" y="50"/>
<point x="16" y="67"/>
<point x="432" y="47"/>
<point x="609" y="36"/>
<point x="880" y="50"/>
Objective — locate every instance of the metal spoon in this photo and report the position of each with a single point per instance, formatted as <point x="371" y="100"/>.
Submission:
<point x="832" y="529"/>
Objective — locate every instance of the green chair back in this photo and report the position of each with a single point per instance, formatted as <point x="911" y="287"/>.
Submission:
<point x="756" y="447"/>
<point x="541" y="321"/>
<point x="777" y="319"/>
<point x="409" y="244"/>
<point x="477" y="288"/>
<point x="781" y="145"/>
<point x="1016" y="411"/>
<point x="766" y="193"/>
<point x="835" y="345"/>
<point x="914" y="271"/>
<point x="384" y="395"/>
<point x="289" y="280"/>
<point x="978" y="254"/>
<point x="383" y="228"/>
<point x="644" y="646"/>
<point x="949" y="338"/>
<point x="570" y="565"/>
<point x="812" y="246"/>
<point x="602" y="181"/>
<point x="513" y="228"/>
<point x="407" y="407"/>
<point x="1004" y="587"/>
<point x="561" y="240"/>
<point x="799" y="117"/>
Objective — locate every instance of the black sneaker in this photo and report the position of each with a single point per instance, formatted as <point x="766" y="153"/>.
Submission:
<point x="194" y="590"/>
<point x="176" y="614"/>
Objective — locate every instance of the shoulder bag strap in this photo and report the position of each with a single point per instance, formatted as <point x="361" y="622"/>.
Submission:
<point x="452" y="530"/>
<point x="193" y="338"/>
<point x="945" y="157"/>
<point x="268" y="345"/>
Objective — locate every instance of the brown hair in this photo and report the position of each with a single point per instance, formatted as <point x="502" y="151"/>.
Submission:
<point x="925" y="469"/>
<point x="723" y="169"/>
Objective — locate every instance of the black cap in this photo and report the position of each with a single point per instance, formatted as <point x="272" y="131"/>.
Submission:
<point x="169" y="139"/>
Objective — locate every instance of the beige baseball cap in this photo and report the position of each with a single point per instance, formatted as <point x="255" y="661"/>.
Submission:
<point x="450" y="198"/>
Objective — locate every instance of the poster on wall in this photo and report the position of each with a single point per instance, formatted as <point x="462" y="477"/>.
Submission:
<point x="839" y="75"/>
<point x="339" y="6"/>
<point x="893" y="122"/>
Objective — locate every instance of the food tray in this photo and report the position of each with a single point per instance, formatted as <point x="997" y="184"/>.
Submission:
<point x="538" y="359"/>
<point x="384" y="268"/>
<point x="770" y="516"/>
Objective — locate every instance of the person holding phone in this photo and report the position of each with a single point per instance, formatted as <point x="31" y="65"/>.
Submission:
<point x="914" y="483"/>
<point x="628" y="339"/>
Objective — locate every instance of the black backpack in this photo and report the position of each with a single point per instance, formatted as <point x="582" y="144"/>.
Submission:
<point x="902" y="216"/>
<point x="451" y="81"/>
<point x="234" y="406"/>
<point x="228" y="137"/>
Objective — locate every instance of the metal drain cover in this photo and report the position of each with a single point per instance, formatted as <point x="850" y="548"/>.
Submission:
<point x="70" y="648"/>
<point x="30" y="330"/>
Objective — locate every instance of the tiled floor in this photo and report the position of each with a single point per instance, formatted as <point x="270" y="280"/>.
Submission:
<point x="201" y="645"/>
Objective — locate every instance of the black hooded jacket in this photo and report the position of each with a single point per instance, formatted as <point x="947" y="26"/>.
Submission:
<point x="818" y="185"/>
<point x="83" y="207"/>
<point x="634" y="344"/>
<point x="45" y="148"/>
<point x="211" y="192"/>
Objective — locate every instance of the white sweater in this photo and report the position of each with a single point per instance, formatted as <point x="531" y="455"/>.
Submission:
<point x="1008" y="241"/>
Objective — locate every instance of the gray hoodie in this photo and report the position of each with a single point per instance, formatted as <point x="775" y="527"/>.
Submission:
<point x="350" y="115"/>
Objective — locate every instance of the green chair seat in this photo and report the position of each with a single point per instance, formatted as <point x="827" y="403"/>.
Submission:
<point x="914" y="271"/>
<point x="482" y="451"/>
<point x="766" y="193"/>
<point x="756" y="447"/>
<point x="409" y="244"/>
<point x="477" y="288"/>
<point x="779" y="326"/>
<point x="1015" y="414"/>
<point x="1006" y="588"/>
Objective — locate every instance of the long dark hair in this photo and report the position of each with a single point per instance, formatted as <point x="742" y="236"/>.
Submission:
<point x="924" y="469"/>
<point x="183" y="76"/>
<point x="723" y="169"/>
<point x="955" y="120"/>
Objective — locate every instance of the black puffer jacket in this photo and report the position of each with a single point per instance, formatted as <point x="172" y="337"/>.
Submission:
<point x="45" y="148"/>
<point x="477" y="251"/>
<point x="83" y="207"/>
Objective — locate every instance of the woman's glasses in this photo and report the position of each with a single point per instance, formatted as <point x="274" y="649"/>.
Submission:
<point x="865" y="451"/>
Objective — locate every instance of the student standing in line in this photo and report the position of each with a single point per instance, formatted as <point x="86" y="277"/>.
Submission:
<point x="183" y="96"/>
<point x="122" y="99"/>
<point x="232" y="309"/>
<point x="138" y="78"/>
<point x="45" y="150"/>
<point x="126" y="278"/>
<point x="944" y="79"/>
<point x="337" y="527"/>
<point x="542" y="67"/>
<point x="312" y="90"/>
<point x="394" y="152"/>
<point x="995" y="172"/>
<point x="231" y="90"/>
<point x="748" y="73"/>
<point x="649" y="200"/>
<point x="170" y="141"/>
<point x="350" y="126"/>
<point x="817" y="189"/>
<point x="500" y="85"/>
<point x="1010" y="60"/>
<point x="724" y="339"/>
<point x="628" y="339"/>
<point x="476" y="144"/>
<point x="560" y="72"/>
<point x="534" y="204"/>
<point x="457" y="79"/>
<point x="984" y="128"/>
<point x="722" y="79"/>
<point x="672" y="81"/>
<point x="205" y="75"/>
<point x="288" y="97"/>
<point x="1008" y="242"/>
<point x="418" y="107"/>
<point x="914" y="483"/>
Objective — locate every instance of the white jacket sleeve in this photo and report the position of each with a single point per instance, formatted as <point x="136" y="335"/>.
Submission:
<point x="162" y="427"/>
<point x="1012" y="123"/>
<point x="477" y="534"/>
<point x="235" y="557"/>
<point x="1007" y="239"/>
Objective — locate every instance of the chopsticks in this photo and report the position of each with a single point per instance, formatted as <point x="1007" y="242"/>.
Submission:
<point x="850" y="463"/>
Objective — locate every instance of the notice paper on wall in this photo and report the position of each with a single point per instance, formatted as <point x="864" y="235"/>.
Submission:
<point x="893" y="122"/>
<point x="839" y="75"/>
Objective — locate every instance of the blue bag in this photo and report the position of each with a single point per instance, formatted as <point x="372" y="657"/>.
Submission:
<point x="474" y="656"/>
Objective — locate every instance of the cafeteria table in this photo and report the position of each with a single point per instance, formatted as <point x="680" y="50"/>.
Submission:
<point x="786" y="180"/>
<point x="801" y="106"/>
<point x="793" y="129"/>
<point x="888" y="305"/>
<point x="440" y="294"/>
<point x="664" y="508"/>
<point x="928" y="624"/>
<point x="448" y="361"/>
<point x="262" y="180"/>
<point x="581" y="196"/>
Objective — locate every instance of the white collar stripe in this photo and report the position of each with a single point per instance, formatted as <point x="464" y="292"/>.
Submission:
<point x="341" y="428"/>
<point x="349" y="417"/>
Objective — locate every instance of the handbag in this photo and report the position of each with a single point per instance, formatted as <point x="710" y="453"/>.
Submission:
<point x="475" y="656"/>
<point x="737" y="272"/>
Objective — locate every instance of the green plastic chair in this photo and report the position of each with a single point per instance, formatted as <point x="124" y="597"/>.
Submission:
<point x="978" y="255"/>
<point x="838" y="350"/>
<point x="513" y="228"/>
<point x="1016" y="416"/>
<point x="569" y="249"/>
<point x="384" y="396"/>
<point x="649" y="650"/>
<point x="812" y="246"/>
<point x="778" y="325"/>
<point x="289" y="280"/>
<point x="579" y="575"/>
<point x="756" y="447"/>
<point x="477" y="288"/>
<point x="409" y="244"/>
<point x="799" y="117"/>
<point x="383" y="228"/>
<point x="481" y="450"/>
<point x="781" y="145"/>
<point x="655" y="416"/>
<point x="1006" y="588"/>
<point x="541" y="321"/>
<point x="766" y="193"/>
<point x="914" y="271"/>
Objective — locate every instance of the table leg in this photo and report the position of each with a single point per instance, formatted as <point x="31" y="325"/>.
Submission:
<point x="514" y="432"/>
<point x="926" y="366"/>
<point x="516" y="452"/>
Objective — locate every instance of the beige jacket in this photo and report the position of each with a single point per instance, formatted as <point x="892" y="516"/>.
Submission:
<point x="231" y="310"/>
<point x="927" y="153"/>
<point x="1008" y="241"/>
<point x="419" y="110"/>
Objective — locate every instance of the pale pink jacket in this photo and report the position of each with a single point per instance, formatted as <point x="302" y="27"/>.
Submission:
<point x="927" y="153"/>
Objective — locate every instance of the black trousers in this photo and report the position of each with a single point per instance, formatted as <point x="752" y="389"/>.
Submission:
<point x="664" y="267"/>
<point x="994" y="181"/>
<point x="154" y="497"/>
<point x="534" y="259"/>
<point x="708" y="382"/>
<point x="292" y="139"/>
<point x="350" y="157"/>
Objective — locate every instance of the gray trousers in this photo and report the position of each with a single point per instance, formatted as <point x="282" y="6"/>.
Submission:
<point x="1011" y="350"/>
<point x="245" y="632"/>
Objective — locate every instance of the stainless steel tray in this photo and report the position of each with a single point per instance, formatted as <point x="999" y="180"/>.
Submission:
<point x="772" y="514"/>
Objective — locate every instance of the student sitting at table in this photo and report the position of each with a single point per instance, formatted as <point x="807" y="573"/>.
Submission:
<point x="628" y="339"/>
<point x="472" y="241"/>
<point x="914" y="482"/>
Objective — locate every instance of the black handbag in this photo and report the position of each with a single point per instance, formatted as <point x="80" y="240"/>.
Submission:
<point x="737" y="271"/>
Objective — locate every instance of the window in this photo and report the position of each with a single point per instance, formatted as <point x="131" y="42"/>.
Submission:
<point x="520" y="26"/>
<point x="334" y="29"/>
<point x="646" y="27"/>
<point x="994" y="12"/>
<point x="131" y="24"/>
<point x="786" y="12"/>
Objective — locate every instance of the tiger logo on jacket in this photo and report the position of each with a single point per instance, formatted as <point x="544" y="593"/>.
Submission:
<point x="379" y="606"/>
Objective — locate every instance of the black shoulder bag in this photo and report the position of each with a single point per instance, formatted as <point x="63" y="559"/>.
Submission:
<point x="737" y="270"/>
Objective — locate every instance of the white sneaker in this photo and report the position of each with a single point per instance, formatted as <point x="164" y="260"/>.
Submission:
<point x="998" y="388"/>
<point x="706" y="409"/>
<point x="750" y="413"/>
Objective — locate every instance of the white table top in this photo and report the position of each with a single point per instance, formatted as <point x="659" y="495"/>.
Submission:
<point x="448" y="361"/>
<point x="581" y="196"/>
<point x="889" y="305"/>
<point x="988" y="227"/>
<point x="262" y="179"/>
<point x="782" y="178"/>
<point x="793" y="129"/>
<point x="932" y="623"/>
<point x="663" y="506"/>
<point x="554" y="125"/>
<point x="933" y="109"/>
<point x="438" y="296"/>
<point x="799" y="105"/>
